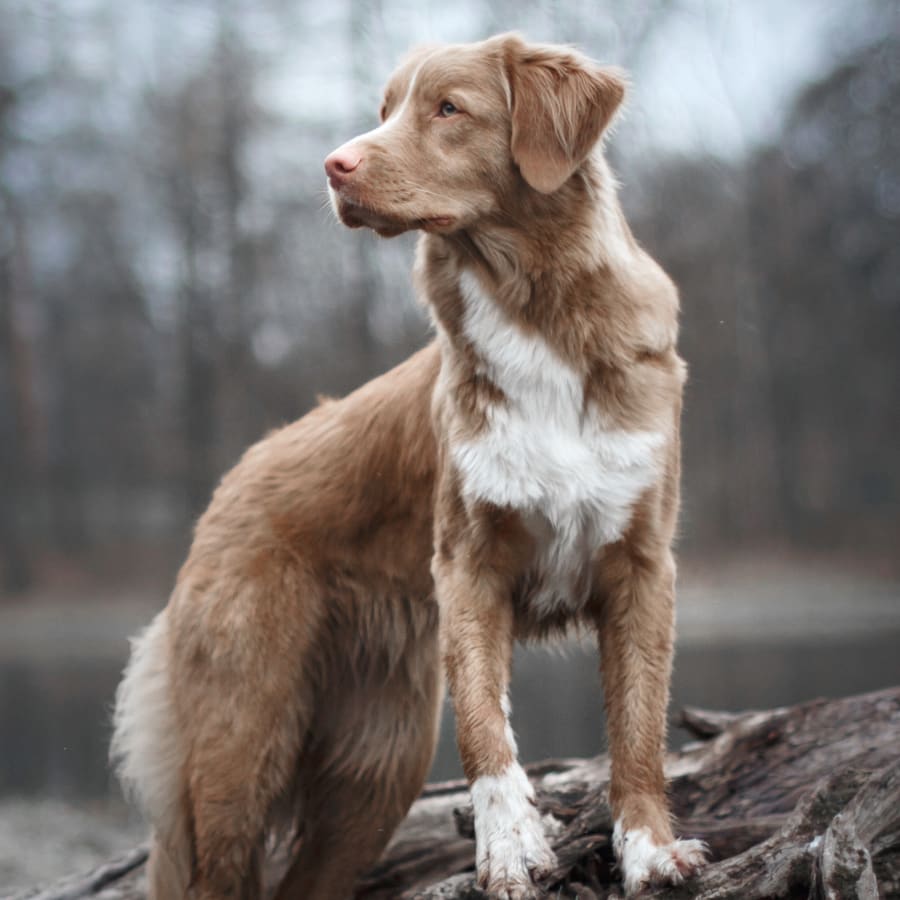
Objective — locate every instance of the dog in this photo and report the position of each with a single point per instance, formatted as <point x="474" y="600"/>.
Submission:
<point x="516" y="478"/>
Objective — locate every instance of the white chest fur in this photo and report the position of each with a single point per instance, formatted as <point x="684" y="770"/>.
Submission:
<point x="574" y="480"/>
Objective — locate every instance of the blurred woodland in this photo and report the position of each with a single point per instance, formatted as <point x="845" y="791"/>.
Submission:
<point x="172" y="283"/>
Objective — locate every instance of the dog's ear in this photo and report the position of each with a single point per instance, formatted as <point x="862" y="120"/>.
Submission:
<point x="561" y="103"/>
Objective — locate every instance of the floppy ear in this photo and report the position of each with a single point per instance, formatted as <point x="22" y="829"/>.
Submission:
<point x="561" y="104"/>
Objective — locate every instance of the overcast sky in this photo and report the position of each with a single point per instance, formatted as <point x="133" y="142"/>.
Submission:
<point x="708" y="75"/>
<point x="720" y="76"/>
<point x="711" y="76"/>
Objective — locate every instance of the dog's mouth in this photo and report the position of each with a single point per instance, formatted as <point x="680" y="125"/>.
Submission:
<point x="354" y="214"/>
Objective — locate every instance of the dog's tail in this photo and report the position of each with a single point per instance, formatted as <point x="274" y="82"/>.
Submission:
<point x="148" y="756"/>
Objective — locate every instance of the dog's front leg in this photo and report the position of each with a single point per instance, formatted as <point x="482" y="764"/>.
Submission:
<point x="636" y="633"/>
<point x="477" y="637"/>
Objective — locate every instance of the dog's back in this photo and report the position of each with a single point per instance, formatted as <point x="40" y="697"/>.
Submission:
<point x="294" y="673"/>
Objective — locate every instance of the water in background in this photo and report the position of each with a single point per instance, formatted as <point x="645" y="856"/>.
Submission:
<point x="748" y="637"/>
<point x="55" y="716"/>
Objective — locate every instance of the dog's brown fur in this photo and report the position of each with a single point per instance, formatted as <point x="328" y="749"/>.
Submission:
<point x="297" y="666"/>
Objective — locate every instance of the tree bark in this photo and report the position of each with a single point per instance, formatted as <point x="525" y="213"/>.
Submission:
<point x="795" y="802"/>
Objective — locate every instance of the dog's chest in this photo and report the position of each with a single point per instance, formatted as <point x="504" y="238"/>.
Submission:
<point x="543" y="454"/>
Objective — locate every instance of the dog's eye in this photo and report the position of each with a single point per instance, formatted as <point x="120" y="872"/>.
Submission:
<point x="447" y="109"/>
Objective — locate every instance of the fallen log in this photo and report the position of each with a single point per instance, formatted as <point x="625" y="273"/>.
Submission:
<point x="801" y="801"/>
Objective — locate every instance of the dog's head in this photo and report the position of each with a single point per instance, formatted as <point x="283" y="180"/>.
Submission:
<point x="464" y="126"/>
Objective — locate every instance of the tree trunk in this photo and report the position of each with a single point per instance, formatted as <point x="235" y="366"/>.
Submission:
<point x="796" y="802"/>
<point x="19" y="432"/>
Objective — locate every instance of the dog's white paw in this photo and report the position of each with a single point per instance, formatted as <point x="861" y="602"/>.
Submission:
<point x="645" y="863"/>
<point x="511" y="849"/>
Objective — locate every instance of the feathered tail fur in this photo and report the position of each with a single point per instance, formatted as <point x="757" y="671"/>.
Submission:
<point x="148" y="758"/>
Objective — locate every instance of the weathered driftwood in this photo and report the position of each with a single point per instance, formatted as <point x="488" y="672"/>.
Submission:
<point x="795" y="802"/>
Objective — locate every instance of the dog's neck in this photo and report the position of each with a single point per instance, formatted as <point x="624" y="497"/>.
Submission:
<point x="551" y="239"/>
<point x="559" y="265"/>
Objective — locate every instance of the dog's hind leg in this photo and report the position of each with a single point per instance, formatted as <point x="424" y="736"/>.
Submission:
<point x="207" y="738"/>
<point x="240" y="661"/>
<point x="242" y="765"/>
<point x="348" y="827"/>
<point x="379" y="758"/>
<point x="242" y="762"/>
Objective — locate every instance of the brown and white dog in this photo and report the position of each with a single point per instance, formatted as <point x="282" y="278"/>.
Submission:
<point x="516" y="478"/>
